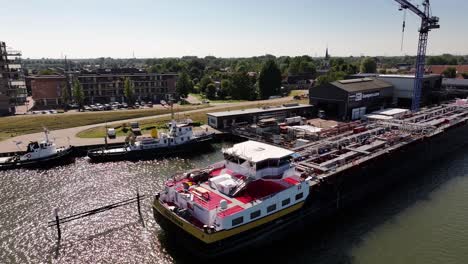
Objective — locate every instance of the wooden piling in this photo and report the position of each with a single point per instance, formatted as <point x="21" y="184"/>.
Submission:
<point x="57" y="222"/>
<point x="139" y="208"/>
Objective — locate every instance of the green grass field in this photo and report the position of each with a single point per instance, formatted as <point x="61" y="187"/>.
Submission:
<point x="20" y="125"/>
<point x="202" y="97"/>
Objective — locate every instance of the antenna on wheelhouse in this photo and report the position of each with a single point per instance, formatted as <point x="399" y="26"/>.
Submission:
<point x="46" y="132"/>
<point x="171" y="101"/>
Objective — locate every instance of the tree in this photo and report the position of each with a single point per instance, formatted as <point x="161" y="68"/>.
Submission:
<point x="307" y="67"/>
<point x="129" y="91"/>
<point x="225" y="89"/>
<point x="211" y="91"/>
<point x="294" y="66"/>
<point x="450" y="72"/>
<point x="204" y="83"/>
<point x="184" y="85"/>
<point x="269" y="81"/>
<point x="368" y="65"/>
<point x="241" y="86"/>
<point x="47" y="72"/>
<point x="331" y="76"/>
<point x="65" y="96"/>
<point x="383" y="71"/>
<point x="78" y="94"/>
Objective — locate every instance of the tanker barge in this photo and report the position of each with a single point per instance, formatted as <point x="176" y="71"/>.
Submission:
<point x="260" y="191"/>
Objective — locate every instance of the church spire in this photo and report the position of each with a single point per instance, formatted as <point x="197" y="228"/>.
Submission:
<point x="327" y="56"/>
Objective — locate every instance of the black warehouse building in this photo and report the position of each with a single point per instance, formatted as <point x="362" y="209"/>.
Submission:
<point x="224" y="120"/>
<point x="351" y="99"/>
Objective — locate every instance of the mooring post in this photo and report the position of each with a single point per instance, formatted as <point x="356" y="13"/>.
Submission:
<point x="139" y="208"/>
<point x="57" y="222"/>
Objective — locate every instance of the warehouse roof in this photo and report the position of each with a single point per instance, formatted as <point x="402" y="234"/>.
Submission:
<point x="259" y="110"/>
<point x="361" y="85"/>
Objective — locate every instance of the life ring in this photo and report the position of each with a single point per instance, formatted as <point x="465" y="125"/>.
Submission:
<point x="28" y="155"/>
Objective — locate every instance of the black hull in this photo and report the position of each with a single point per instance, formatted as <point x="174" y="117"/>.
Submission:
<point x="145" y="154"/>
<point x="341" y="191"/>
<point x="61" y="158"/>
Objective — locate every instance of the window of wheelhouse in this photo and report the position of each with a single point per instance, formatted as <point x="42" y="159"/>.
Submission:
<point x="234" y="159"/>
<point x="270" y="163"/>
<point x="285" y="160"/>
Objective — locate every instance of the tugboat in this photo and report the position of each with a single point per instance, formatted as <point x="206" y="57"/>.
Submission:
<point x="180" y="138"/>
<point x="38" y="154"/>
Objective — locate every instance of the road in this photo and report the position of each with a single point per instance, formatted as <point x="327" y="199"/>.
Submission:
<point x="68" y="135"/>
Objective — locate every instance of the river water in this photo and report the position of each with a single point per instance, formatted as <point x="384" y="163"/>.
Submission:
<point x="424" y="220"/>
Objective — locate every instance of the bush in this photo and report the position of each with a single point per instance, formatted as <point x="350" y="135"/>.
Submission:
<point x="124" y="128"/>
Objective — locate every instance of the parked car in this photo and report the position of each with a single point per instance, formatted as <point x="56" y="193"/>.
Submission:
<point x="124" y="105"/>
<point x="73" y="105"/>
<point x="87" y="108"/>
<point x="111" y="132"/>
<point x="107" y="107"/>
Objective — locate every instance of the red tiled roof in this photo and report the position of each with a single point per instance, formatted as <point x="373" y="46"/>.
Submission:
<point x="439" y="69"/>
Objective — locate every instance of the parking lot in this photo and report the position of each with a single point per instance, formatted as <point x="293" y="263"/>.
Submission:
<point x="120" y="106"/>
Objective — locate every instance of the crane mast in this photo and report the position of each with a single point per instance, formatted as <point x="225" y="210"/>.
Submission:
<point x="428" y="22"/>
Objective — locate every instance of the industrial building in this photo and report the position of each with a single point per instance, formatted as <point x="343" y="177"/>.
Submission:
<point x="223" y="120"/>
<point x="12" y="84"/>
<point x="404" y="86"/>
<point x="453" y="88"/>
<point x="351" y="99"/>
<point x="455" y="84"/>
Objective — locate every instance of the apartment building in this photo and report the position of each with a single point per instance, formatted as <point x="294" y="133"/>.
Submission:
<point x="107" y="85"/>
<point x="103" y="86"/>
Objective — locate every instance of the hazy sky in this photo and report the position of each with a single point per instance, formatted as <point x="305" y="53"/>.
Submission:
<point x="101" y="28"/>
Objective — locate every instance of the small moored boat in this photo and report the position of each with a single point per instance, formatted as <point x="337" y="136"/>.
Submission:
<point x="38" y="154"/>
<point x="180" y="138"/>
